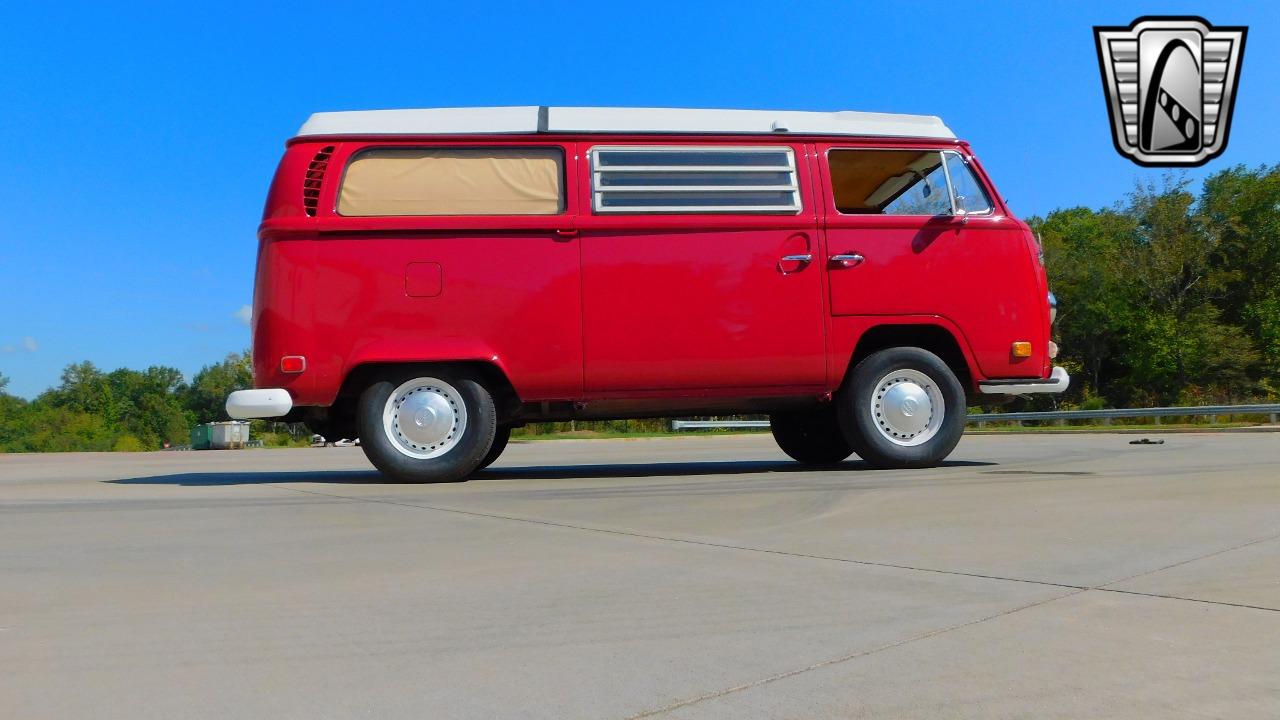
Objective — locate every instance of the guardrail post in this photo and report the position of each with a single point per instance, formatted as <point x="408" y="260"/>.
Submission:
<point x="1157" y="419"/>
<point x="1213" y="419"/>
<point x="1106" y="421"/>
<point x="1273" y="418"/>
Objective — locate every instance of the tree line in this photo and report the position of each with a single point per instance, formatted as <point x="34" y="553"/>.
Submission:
<point x="1170" y="296"/>
<point x="119" y="410"/>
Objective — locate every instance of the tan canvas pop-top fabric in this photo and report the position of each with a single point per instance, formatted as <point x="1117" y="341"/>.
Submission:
<point x="453" y="181"/>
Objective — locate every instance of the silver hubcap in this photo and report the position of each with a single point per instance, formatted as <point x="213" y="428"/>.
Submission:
<point x="907" y="407"/>
<point x="424" y="418"/>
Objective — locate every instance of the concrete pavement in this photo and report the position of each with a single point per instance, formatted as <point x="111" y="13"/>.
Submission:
<point x="1045" y="577"/>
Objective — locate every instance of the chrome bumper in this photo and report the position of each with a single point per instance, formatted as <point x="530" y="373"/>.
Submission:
<point x="263" y="403"/>
<point x="1057" y="381"/>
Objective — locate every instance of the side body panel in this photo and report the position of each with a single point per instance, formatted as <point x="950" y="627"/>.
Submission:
<point x="509" y="298"/>
<point x="691" y="302"/>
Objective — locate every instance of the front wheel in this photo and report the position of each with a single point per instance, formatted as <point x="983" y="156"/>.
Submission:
<point x="902" y="408"/>
<point x="426" y="428"/>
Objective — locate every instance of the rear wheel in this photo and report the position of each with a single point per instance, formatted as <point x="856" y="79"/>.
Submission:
<point x="426" y="427"/>
<point x="500" y="439"/>
<point x="813" y="438"/>
<point x="902" y="408"/>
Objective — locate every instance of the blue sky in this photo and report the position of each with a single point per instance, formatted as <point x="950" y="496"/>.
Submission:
<point x="140" y="140"/>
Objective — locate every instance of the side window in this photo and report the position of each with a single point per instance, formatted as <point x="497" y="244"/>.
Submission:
<point x="648" y="179"/>
<point x="889" y="182"/>
<point x="970" y="196"/>
<point x="453" y="181"/>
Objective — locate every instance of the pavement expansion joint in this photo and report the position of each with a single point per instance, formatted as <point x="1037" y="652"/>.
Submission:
<point x="808" y="556"/>
<point x="847" y="658"/>
<point x="1206" y="556"/>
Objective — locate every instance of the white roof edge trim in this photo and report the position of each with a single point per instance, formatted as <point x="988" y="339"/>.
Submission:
<point x="435" y="121"/>
<point x="792" y="122"/>
<point x="532" y="119"/>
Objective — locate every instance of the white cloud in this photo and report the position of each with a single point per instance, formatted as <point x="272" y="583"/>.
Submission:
<point x="244" y="314"/>
<point x="29" y="344"/>
<point x="8" y="349"/>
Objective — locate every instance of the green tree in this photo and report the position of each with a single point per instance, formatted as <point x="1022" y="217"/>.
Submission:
<point x="1174" y="264"/>
<point x="1242" y="209"/>
<point x="1080" y="247"/>
<point x="148" y="405"/>
<point x="12" y="412"/>
<point x="84" y="388"/>
<point x="42" y="427"/>
<point x="206" y="397"/>
<point x="1155" y="293"/>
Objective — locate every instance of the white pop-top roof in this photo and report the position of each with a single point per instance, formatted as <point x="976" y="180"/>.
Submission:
<point x="534" y="119"/>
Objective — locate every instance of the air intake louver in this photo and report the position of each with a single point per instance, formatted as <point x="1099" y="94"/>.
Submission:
<point x="315" y="178"/>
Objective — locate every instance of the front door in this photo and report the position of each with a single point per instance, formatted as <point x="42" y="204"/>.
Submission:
<point x="700" y="268"/>
<point x="899" y="247"/>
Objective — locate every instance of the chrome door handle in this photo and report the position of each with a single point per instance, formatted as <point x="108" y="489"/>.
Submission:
<point x="807" y="257"/>
<point x="847" y="261"/>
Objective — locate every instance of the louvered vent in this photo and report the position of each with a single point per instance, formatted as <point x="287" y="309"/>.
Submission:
<point x="315" y="178"/>
<point x="688" y="179"/>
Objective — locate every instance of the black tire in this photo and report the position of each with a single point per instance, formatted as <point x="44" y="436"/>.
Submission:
<point x="462" y="459"/>
<point x="500" y="439"/>
<point x="862" y="429"/>
<point x="813" y="438"/>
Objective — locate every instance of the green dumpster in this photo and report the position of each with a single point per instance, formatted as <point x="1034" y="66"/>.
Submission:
<point x="201" y="437"/>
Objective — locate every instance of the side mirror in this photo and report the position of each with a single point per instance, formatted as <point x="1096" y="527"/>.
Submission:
<point x="958" y="211"/>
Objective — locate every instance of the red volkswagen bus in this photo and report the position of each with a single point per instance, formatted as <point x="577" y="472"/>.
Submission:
<point x="429" y="279"/>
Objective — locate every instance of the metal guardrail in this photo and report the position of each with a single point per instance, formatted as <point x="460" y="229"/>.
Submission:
<point x="1273" y="410"/>
<point x="1212" y="411"/>
<point x="696" y="424"/>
